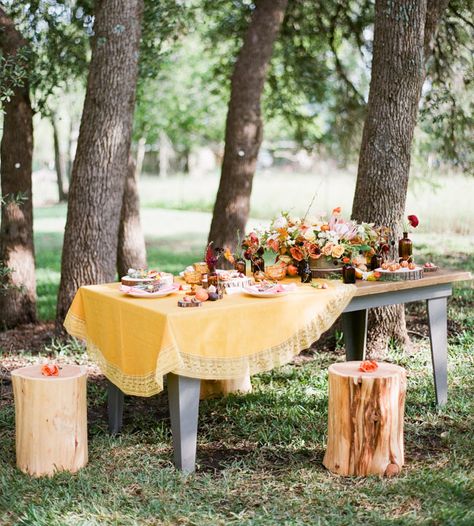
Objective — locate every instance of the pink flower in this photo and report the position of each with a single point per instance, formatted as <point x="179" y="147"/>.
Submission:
<point x="273" y="244"/>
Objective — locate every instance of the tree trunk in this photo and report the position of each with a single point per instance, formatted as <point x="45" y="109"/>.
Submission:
<point x="131" y="251"/>
<point x="18" y="300"/>
<point x="244" y="127"/>
<point x="398" y="73"/>
<point x="100" y="166"/>
<point x="141" y="150"/>
<point x="58" y="161"/>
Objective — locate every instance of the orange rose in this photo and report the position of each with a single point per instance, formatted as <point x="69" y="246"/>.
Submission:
<point x="296" y="254"/>
<point x="50" y="370"/>
<point x="325" y="228"/>
<point x="368" y="366"/>
<point x="273" y="244"/>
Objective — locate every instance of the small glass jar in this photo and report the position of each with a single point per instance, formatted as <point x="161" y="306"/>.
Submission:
<point x="304" y="271"/>
<point x="257" y="264"/>
<point x="376" y="261"/>
<point x="240" y="265"/>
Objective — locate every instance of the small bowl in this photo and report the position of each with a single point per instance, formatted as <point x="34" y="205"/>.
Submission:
<point x="192" y="277"/>
<point x="201" y="267"/>
<point x="275" y="272"/>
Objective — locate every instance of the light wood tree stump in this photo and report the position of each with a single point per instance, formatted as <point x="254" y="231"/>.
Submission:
<point x="51" y="420"/>
<point x="365" y="420"/>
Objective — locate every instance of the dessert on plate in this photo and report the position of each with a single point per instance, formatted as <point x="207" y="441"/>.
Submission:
<point x="143" y="277"/>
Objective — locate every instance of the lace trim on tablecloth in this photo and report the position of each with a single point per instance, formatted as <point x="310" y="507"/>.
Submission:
<point x="172" y="360"/>
<point x="142" y="385"/>
<point x="234" y="368"/>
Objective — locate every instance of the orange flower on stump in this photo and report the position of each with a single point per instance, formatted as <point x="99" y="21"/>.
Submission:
<point x="50" y="370"/>
<point x="368" y="366"/>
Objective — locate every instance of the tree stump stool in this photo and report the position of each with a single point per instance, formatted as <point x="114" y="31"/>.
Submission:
<point x="51" y="420"/>
<point x="365" y="420"/>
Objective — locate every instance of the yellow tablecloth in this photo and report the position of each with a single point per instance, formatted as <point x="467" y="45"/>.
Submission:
<point x="137" y="341"/>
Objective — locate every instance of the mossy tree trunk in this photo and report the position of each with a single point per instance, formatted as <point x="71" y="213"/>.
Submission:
<point x="18" y="294"/>
<point x="403" y="32"/>
<point x="100" y="166"/>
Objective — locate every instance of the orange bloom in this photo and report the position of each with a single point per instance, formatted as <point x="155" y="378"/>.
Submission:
<point x="368" y="366"/>
<point x="228" y="255"/>
<point x="283" y="233"/>
<point x="296" y="254"/>
<point x="336" y="210"/>
<point x="325" y="228"/>
<point x="273" y="244"/>
<point x="50" y="370"/>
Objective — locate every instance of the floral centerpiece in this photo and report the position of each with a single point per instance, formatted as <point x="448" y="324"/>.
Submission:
<point x="322" y="241"/>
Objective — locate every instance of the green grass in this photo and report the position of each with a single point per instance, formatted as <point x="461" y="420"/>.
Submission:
<point x="259" y="455"/>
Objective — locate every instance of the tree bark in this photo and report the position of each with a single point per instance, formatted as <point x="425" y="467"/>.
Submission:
<point x="58" y="161"/>
<point x="398" y="73"/>
<point x="244" y="126"/>
<point x="131" y="250"/>
<point x="18" y="300"/>
<point x="100" y="166"/>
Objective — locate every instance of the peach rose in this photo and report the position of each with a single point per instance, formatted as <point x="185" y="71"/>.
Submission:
<point x="327" y="249"/>
<point x="337" y="251"/>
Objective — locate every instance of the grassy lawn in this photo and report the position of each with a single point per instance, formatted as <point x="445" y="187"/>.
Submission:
<point x="259" y="455"/>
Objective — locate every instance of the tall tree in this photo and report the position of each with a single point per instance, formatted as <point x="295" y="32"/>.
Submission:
<point x="131" y="250"/>
<point x="398" y="73"/>
<point x="18" y="301"/>
<point x="244" y="126"/>
<point x="100" y="166"/>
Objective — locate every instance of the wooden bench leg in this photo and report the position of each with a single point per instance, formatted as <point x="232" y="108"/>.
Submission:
<point x="354" y="326"/>
<point x="183" y="395"/>
<point x="114" y="408"/>
<point x="438" y="324"/>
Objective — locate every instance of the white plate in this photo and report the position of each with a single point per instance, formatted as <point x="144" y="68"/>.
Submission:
<point x="255" y="294"/>
<point x="132" y="291"/>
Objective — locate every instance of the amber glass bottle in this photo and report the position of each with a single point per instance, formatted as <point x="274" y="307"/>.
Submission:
<point x="405" y="247"/>
<point x="376" y="261"/>
<point x="348" y="272"/>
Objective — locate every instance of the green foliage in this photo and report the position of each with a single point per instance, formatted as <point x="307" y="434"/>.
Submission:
<point x="182" y="99"/>
<point x="57" y="34"/>
<point x="447" y="114"/>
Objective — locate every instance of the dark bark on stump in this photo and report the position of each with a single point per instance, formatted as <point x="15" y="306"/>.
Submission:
<point x="131" y="251"/>
<point x="244" y="127"/>
<point x="100" y="166"/>
<point x="18" y="303"/>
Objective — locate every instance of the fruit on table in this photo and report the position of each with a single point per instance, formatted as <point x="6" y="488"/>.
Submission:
<point x="404" y="263"/>
<point x="201" y="294"/>
<point x="213" y="296"/>
<point x="292" y="270"/>
<point x="412" y="266"/>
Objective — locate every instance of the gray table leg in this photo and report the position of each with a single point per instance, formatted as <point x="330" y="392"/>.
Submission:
<point x="438" y="324"/>
<point x="114" y="408"/>
<point x="183" y="395"/>
<point x="354" y="326"/>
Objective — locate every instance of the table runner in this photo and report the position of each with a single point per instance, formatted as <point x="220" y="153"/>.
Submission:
<point x="136" y="341"/>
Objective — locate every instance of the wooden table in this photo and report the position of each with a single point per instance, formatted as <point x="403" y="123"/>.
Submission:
<point x="435" y="288"/>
